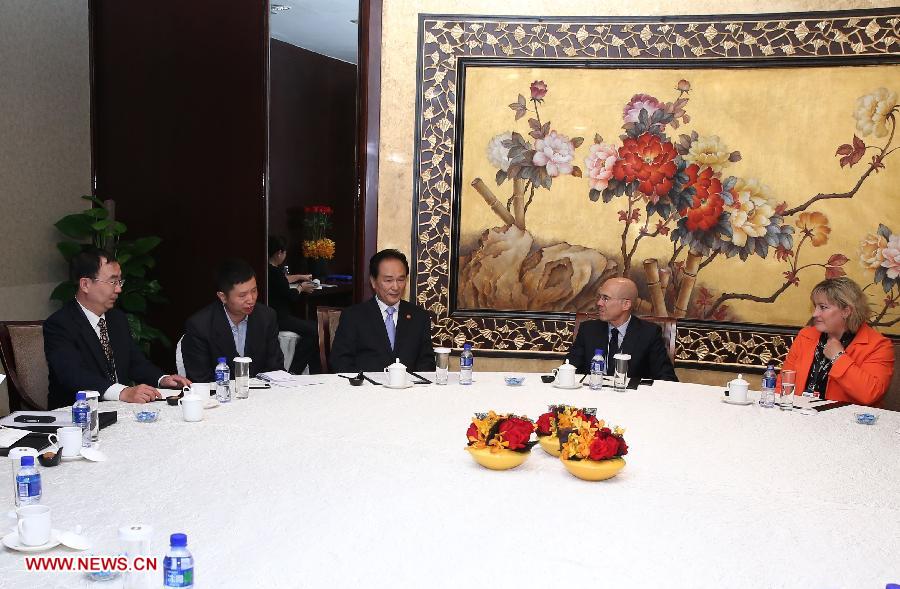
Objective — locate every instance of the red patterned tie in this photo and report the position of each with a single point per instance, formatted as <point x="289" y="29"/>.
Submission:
<point x="107" y="349"/>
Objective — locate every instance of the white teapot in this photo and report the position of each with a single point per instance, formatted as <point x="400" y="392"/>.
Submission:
<point x="737" y="389"/>
<point x="396" y="374"/>
<point x="565" y="375"/>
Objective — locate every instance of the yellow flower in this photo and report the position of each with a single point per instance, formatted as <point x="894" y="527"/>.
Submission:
<point x="320" y="248"/>
<point x="872" y="111"/>
<point x="871" y="251"/>
<point x="708" y="151"/>
<point x="815" y="225"/>
<point x="751" y="211"/>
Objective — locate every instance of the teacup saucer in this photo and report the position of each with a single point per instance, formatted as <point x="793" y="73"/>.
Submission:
<point x="403" y="386"/>
<point x="11" y="540"/>
<point x="576" y="385"/>
<point x="730" y="402"/>
<point x="211" y="404"/>
<point x="71" y="458"/>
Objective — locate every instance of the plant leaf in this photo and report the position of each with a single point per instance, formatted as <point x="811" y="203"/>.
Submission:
<point x="76" y="226"/>
<point x="64" y="291"/>
<point x="68" y="249"/>
<point x="133" y="302"/>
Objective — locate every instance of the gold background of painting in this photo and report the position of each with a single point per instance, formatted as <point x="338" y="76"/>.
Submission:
<point x="399" y="44"/>
<point x="786" y="123"/>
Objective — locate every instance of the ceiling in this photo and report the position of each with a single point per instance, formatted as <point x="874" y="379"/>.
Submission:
<point x="322" y="27"/>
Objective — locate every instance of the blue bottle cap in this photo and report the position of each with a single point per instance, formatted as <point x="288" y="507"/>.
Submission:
<point x="467" y="346"/>
<point x="598" y="351"/>
<point x="221" y="360"/>
<point x="178" y="540"/>
<point x="26" y="461"/>
<point x="80" y="396"/>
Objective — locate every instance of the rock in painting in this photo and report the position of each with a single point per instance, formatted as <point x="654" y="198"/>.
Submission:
<point x="506" y="272"/>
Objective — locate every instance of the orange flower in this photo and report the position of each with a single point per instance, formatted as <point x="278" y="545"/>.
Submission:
<point x="814" y="225"/>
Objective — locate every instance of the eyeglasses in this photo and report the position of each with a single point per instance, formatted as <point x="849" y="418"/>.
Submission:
<point x="607" y="298"/>
<point x="113" y="282"/>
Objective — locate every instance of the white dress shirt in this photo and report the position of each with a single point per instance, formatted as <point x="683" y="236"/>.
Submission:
<point x="383" y="307"/>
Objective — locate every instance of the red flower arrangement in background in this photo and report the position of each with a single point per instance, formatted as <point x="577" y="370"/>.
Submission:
<point x="648" y="160"/>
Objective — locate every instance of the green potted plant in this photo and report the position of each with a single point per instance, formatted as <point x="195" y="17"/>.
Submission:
<point x="96" y="227"/>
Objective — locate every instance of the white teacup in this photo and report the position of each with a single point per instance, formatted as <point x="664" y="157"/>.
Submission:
<point x="737" y="390"/>
<point x="33" y="525"/>
<point x="192" y="407"/>
<point x="69" y="440"/>
<point x="396" y="374"/>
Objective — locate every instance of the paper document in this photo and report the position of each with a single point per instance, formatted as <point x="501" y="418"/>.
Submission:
<point x="9" y="436"/>
<point x="2" y="378"/>
<point x="283" y="378"/>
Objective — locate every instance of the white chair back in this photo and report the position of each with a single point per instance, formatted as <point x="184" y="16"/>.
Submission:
<point x="179" y="359"/>
<point x="288" y="342"/>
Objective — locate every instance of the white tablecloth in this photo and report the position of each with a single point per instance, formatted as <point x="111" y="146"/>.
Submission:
<point x="340" y="486"/>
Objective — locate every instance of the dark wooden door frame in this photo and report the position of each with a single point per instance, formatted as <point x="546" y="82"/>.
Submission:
<point x="368" y="143"/>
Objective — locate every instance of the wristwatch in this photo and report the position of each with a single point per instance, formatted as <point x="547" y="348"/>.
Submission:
<point x="836" y="356"/>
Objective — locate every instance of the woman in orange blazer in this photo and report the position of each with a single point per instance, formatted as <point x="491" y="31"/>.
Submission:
<point x="839" y="357"/>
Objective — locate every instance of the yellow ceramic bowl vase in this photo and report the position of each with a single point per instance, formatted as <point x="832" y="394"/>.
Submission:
<point x="502" y="460"/>
<point x="595" y="470"/>
<point x="550" y="444"/>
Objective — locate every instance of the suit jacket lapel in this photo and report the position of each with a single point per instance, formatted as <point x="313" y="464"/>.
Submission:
<point x="223" y="333"/>
<point x="629" y="342"/>
<point x="89" y="336"/>
<point x="403" y="326"/>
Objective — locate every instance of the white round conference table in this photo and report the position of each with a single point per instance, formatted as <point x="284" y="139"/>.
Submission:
<point x="337" y="486"/>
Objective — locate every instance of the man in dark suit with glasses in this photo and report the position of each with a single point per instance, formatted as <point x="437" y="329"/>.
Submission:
<point x="88" y="342"/>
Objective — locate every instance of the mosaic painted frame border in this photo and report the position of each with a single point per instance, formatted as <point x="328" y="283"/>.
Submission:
<point x="849" y="37"/>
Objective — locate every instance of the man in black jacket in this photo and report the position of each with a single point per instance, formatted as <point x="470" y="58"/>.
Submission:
<point x="282" y="297"/>
<point x="234" y="325"/>
<point x="371" y="335"/>
<point x="88" y="343"/>
<point x="617" y="331"/>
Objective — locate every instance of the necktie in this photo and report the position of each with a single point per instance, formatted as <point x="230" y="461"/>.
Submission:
<point x="107" y="349"/>
<point x="613" y="350"/>
<point x="389" y="325"/>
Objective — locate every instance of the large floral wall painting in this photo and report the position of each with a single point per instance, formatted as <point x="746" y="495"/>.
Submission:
<point x="726" y="166"/>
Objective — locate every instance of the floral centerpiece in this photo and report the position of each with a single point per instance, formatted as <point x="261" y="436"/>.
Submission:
<point x="500" y="441"/>
<point x="592" y="451"/>
<point x="317" y="247"/>
<point x="559" y="417"/>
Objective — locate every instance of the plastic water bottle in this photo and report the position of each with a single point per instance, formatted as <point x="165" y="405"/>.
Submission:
<point x="178" y="565"/>
<point x="466" y="364"/>
<point x="223" y="378"/>
<point x="767" y="389"/>
<point x="81" y="416"/>
<point x="28" y="482"/>
<point x="598" y="369"/>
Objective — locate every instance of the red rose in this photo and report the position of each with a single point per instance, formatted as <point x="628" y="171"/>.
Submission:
<point x="516" y="431"/>
<point x="544" y="424"/>
<point x="538" y="89"/>
<point x="623" y="447"/>
<point x="307" y="210"/>
<point x="603" y="448"/>
<point x="707" y="205"/>
<point x="472" y="433"/>
<point x="588" y="418"/>
<point x="648" y="160"/>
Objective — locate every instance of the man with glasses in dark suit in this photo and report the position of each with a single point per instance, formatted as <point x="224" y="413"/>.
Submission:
<point x="371" y="335"/>
<point x="618" y="331"/>
<point x="88" y="343"/>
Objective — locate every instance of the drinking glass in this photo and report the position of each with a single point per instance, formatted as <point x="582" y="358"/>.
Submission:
<point x="620" y="376"/>
<point x="241" y="378"/>
<point x="786" y="397"/>
<point x="442" y="362"/>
